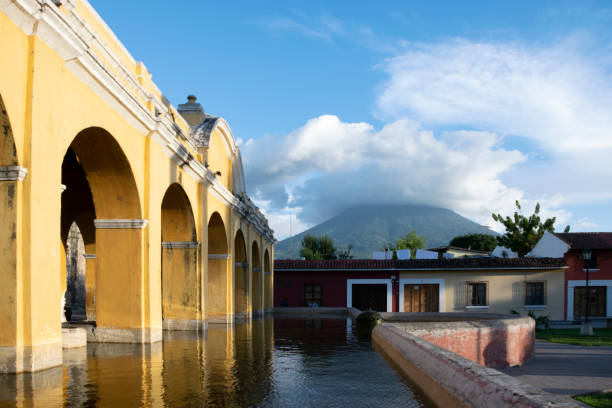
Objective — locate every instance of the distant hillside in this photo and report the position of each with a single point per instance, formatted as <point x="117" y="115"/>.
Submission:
<point x="370" y="228"/>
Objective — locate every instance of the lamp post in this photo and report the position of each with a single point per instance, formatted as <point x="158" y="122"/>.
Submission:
<point x="586" y="329"/>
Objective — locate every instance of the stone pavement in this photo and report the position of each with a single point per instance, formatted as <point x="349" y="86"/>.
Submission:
<point x="565" y="369"/>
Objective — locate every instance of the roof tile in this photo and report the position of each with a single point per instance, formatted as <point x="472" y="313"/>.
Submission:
<point x="454" y="263"/>
<point x="584" y="240"/>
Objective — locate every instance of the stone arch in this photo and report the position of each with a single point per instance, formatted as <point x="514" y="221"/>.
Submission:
<point x="180" y="283"/>
<point x="257" y="279"/>
<point x="98" y="176"/>
<point x="268" y="288"/>
<point x="241" y="278"/>
<point x="10" y="191"/>
<point x="8" y="150"/>
<point x="77" y="207"/>
<point x="217" y="299"/>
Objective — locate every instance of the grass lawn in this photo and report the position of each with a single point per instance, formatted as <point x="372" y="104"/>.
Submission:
<point x="601" y="400"/>
<point x="601" y="337"/>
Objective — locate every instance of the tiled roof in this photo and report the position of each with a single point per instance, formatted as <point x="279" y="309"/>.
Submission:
<point x="450" y="247"/>
<point x="389" y="264"/>
<point x="584" y="240"/>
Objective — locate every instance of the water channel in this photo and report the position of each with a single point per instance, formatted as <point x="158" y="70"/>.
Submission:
<point x="282" y="362"/>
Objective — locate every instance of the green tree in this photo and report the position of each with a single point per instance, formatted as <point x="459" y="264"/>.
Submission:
<point x="410" y="241"/>
<point x="522" y="233"/>
<point x="314" y="247"/>
<point x="477" y="242"/>
<point x="345" y="253"/>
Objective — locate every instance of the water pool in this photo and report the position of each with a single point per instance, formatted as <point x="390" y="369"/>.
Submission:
<point x="281" y="362"/>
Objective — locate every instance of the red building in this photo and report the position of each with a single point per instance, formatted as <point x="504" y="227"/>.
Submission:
<point x="329" y="283"/>
<point x="600" y="274"/>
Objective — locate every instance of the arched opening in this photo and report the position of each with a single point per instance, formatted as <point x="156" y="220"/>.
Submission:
<point x="10" y="189"/>
<point x="257" y="279"/>
<point x="102" y="197"/>
<point x="77" y="225"/>
<point x="180" y="283"/>
<point x="75" y="294"/>
<point x="217" y="285"/>
<point x="268" y="293"/>
<point x="241" y="278"/>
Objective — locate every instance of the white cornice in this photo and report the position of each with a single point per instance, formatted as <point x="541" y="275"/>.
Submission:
<point x="12" y="173"/>
<point x="180" y="244"/>
<point x="218" y="256"/>
<point x="89" y="256"/>
<point x="120" y="223"/>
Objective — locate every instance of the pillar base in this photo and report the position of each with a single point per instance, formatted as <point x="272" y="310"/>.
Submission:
<point x="586" y="329"/>
<point x="242" y="317"/>
<point x="226" y="319"/>
<point x="183" y="324"/>
<point x="74" y="337"/>
<point x="29" y="359"/>
<point x="114" y="335"/>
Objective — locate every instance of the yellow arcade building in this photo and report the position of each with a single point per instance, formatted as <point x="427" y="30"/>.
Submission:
<point x="172" y="241"/>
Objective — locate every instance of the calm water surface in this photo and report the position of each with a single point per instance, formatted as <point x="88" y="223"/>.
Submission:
<point x="309" y="362"/>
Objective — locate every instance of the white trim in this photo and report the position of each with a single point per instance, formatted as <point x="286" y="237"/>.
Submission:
<point x="409" y="281"/>
<point x="351" y="282"/>
<point x="534" y="307"/>
<point x="180" y="244"/>
<point x="120" y="223"/>
<point x="477" y="307"/>
<point x="218" y="256"/>
<point x="570" y="295"/>
<point x="12" y="173"/>
<point x="89" y="256"/>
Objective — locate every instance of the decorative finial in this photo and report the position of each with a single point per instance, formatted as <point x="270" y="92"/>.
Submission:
<point x="191" y="98"/>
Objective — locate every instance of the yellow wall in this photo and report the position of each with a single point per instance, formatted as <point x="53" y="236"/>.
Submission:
<point x="49" y="100"/>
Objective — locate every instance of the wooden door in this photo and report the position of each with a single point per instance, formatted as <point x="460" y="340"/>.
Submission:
<point x="597" y="301"/>
<point x="421" y="298"/>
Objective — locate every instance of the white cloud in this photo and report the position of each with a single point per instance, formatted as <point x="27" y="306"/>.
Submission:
<point x="556" y="96"/>
<point x="328" y="165"/>
<point x="551" y="105"/>
<point x="585" y="224"/>
<point x="329" y="28"/>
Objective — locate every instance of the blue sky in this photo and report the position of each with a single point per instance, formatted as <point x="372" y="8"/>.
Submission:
<point x="466" y="105"/>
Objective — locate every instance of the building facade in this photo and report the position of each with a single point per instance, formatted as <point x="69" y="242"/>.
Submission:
<point x="571" y="246"/>
<point x="495" y="285"/>
<point x="171" y="239"/>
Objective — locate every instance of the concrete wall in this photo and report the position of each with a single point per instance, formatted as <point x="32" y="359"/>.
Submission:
<point x="488" y="339"/>
<point x="453" y="381"/>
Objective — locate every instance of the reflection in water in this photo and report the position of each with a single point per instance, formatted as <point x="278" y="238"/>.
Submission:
<point x="267" y="362"/>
